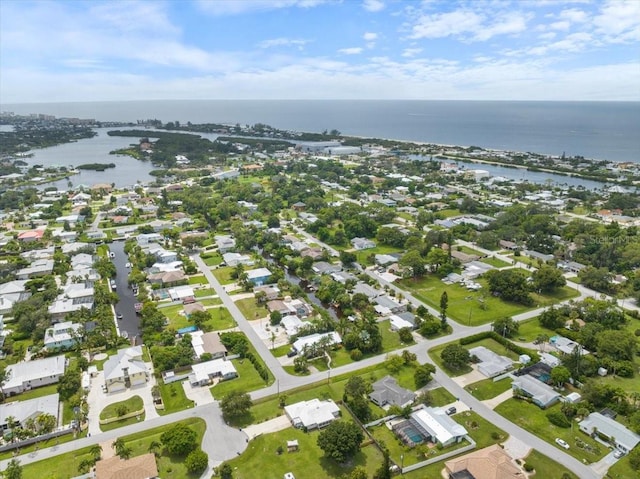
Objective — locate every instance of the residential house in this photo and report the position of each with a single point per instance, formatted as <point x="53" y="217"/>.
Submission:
<point x="342" y="277"/>
<point x="389" y="303"/>
<point x="508" y="245"/>
<point x="437" y="427"/>
<point x="191" y="308"/>
<point x="295" y="306"/>
<point x="566" y="345"/>
<point x="489" y="463"/>
<point x="489" y="363"/>
<point x="168" y="279"/>
<point x="314" y="253"/>
<point x="322" y="267"/>
<point x="385" y="259"/>
<point x="540" y="393"/>
<point x="138" y="467"/>
<point x="147" y="238"/>
<point x="308" y="342"/>
<point x="203" y="374"/>
<point x="386" y="391"/>
<point x="225" y="243"/>
<point x="234" y="259"/>
<point x="539" y="256"/>
<point x="258" y="276"/>
<point x="312" y="414"/>
<point x="31" y="235"/>
<point x="621" y="437"/>
<point x="22" y="411"/>
<point x="362" y="243"/>
<point x="397" y="323"/>
<point x="125" y="369"/>
<point x="62" y="335"/>
<point x="36" y="269"/>
<point x="291" y="324"/>
<point x="32" y="374"/>
<point x="271" y="291"/>
<point x="369" y="291"/>
<point x="208" y="343"/>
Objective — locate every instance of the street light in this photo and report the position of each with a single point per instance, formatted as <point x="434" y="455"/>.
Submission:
<point x="401" y="463"/>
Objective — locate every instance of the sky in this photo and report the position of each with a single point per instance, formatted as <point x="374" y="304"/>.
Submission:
<point x="76" y="50"/>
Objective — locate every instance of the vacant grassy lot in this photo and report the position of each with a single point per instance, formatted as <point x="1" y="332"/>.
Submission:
<point x="251" y="310"/>
<point x="534" y="420"/>
<point x="488" y="388"/>
<point x="197" y="279"/>
<point x="261" y="460"/>
<point x="495" y="262"/>
<point x="546" y="467"/>
<point x="223" y="275"/>
<point x="247" y="380"/>
<point x="173" y="398"/>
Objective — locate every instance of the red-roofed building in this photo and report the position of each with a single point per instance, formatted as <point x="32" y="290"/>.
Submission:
<point x="31" y="235"/>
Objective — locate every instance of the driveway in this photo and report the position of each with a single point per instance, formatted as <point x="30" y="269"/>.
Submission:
<point x="469" y="378"/>
<point x="273" y="425"/>
<point x="499" y="399"/>
<point x="200" y="395"/>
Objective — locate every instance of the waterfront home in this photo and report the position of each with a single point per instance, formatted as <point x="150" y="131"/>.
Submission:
<point x="125" y="369"/>
<point x="208" y="343"/>
<point x="258" y="276"/>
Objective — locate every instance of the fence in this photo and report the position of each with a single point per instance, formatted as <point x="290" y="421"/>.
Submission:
<point x="441" y="457"/>
<point x="32" y="440"/>
<point x="123" y="417"/>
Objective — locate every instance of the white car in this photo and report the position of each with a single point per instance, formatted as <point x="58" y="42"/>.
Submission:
<point x="128" y="265"/>
<point x="618" y="453"/>
<point x="562" y="443"/>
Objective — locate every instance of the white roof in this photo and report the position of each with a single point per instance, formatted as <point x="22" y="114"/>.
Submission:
<point x="130" y="358"/>
<point x="26" y="371"/>
<point x="291" y="324"/>
<point x="204" y="371"/>
<point x="312" y="412"/>
<point x="258" y="273"/>
<point x="312" y="339"/>
<point x="399" y="323"/>
<point x="30" y="408"/>
<point x="438" y="424"/>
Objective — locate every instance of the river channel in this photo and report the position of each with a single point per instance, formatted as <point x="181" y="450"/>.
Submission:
<point x="130" y="321"/>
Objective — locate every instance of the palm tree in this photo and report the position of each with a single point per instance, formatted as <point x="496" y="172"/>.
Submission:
<point x="154" y="447"/>
<point x="96" y="451"/>
<point x="121" y="448"/>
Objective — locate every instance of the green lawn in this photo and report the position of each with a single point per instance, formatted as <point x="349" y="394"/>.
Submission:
<point x="281" y="350"/>
<point x="495" y="262"/>
<point x="63" y="466"/>
<point x="435" y="355"/>
<point x="364" y="255"/>
<point x="261" y="460"/>
<point x="34" y="393"/>
<point x="488" y="388"/>
<point x="173" y="398"/>
<point x="530" y="329"/>
<point x="212" y="259"/>
<point x="248" y="379"/>
<point x="621" y="469"/>
<point x="200" y="293"/>
<point x="475" y="308"/>
<point x="223" y="275"/>
<point x="211" y="302"/>
<point x="482" y="431"/>
<point x="534" y="420"/>
<point x="111" y="411"/>
<point x="251" y="310"/>
<point x="198" y="279"/>
<point x="448" y="213"/>
<point x="220" y="319"/>
<point x="546" y="467"/>
<point x="122" y="423"/>
<point x="441" y="397"/>
<point x="467" y="250"/>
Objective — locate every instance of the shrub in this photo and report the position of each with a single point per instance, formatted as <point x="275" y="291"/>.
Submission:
<point x="558" y="419"/>
<point x="625" y="369"/>
<point x="528" y="467"/>
<point x="197" y="461"/>
<point x="356" y="354"/>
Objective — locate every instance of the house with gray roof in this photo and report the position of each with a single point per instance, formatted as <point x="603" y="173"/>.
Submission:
<point x="490" y="364"/>
<point x="540" y="393"/>
<point x="22" y="411"/>
<point x="619" y="435"/>
<point x="125" y="369"/>
<point x="32" y="374"/>
<point x="386" y="391"/>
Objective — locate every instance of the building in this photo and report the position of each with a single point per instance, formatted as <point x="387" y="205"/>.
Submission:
<point x="308" y="342"/>
<point x="62" y="335"/>
<point x="22" y="411"/>
<point x="225" y="243"/>
<point x="489" y="463"/>
<point x="566" y="345"/>
<point x="208" y="343"/>
<point x="32" y="374"/>
<point x="540" y="393"/>
<point x="258" y="276"/>
<point x="234" y="259"/>
<point x="41" y="267"/>
<point x="386" y="391"/>
<point x="312" y="414"/>
<point x="139" y="467"/>
<point x="362" y="243"/>
<point x="203" y="374"/>
<point x="397" y="323"/>
<point x="616" y="433"/>
<point x="125" y="369"/>
<point x="490" y="364"/>
<point x="437" y="427"/>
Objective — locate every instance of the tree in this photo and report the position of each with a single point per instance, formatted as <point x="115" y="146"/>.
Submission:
<point x="226" y="471"/>
<point x="347" y="258"/>
<point x="275" y="317"/>
<point x="197" y="461"/>
<point x="510" y="285"/>
<point x="13" y="470"/>
<point x="634" y="459"/>
<point x="617" y="345"/>
<point x="444" y="303"/>
<point x="341" y="440"/>
<point x="394" y="363"/>
<point x="505" y="327"/>
<point x="422" y="375"/>
<point x="180" y="440"/>
<point x="96" y="451"/>
<point x="384" y="471"/>
<point x="414" y="263"/>
<point x="358" y="473"/>
<point x="455" y="356"/>
<point x="560" y="375"/>
<point x="235" y="404"/>
<point x="405" y="335"/>
<point x="122" y="450"/>
<point x="551" y="319"/>
<point x="548" y="279"/>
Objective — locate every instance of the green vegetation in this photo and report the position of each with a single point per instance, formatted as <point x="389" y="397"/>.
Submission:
<point x="121" y="408"/>
<point x="495" y="262"/>
<point x="441" y="397"/>
<point x="251" y="310"/>
<point x="261" y="458"/>
<point x="534" y="420"/>
<point x="547" y="467"/>
<point x="96" y="166"/>
<point x="173" y="398"/>
<point x="58" y="467"/>
<point x="223" y="275"/>
<point x="488" y="388"/>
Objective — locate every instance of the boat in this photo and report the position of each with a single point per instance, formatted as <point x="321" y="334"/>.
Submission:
<point x="112" y="254"/>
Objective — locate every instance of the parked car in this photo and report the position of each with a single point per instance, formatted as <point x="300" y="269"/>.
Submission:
<point x="618" y="453"/>
<point x="119" y="316"/>
<point x="292" y="353"/>
<point x="562" y="443"/>
<point x="451" y="410"/>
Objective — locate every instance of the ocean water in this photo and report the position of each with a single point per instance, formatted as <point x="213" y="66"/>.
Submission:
<point x="601" y="130"/>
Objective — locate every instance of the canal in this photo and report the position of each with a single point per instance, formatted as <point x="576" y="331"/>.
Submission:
<point x="130" y="321"/>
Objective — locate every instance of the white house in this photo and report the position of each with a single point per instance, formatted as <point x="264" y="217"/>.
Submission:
<point x="61" y="335"/>
<point x="312" y="414"/>
<point x="125" y="369"/>
<point x="32" y="374"/>
<point x="203" y="373"/>
<point x="22" y="411"/>
<point x="619" y="435"/>
<point x="490" y="364"/>
<point x="437" y="426"/>
<point x="308" y="342"/>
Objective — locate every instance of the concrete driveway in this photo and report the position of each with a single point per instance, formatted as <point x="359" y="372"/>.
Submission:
<point x="273" y="425"/>
<point x="200" y="395"/>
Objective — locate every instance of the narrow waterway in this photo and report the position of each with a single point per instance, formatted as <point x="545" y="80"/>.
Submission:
<point x="130" y="321"/>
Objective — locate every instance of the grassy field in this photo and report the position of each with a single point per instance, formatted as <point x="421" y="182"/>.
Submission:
<point x="220" y="317"/>
<point x="200" y="293"/>
<point x="251" y="310"/>
<point x="475" y="308"/>
<point x="534" y="420"/>
<point x="173" y="398"/>
<point x="223" y="275"/>
<point x="530" y="329"/>
<point x="213" y="259"/>
<point x="441" y="397"/>
<point x="467" y="250"/>
<point x="488" y="388"/>
<point x="122" y="423"/>
<point x="197" y="279"/>
<point x="621" y="469"/>
<point x="495" y="262"/>
<point x="546" y="467"/>
<point x="63" y="466"/>
<point x="248" y="379"/>
<point x="132" y="404"/>
<point x="482" y="431"/>
<point x="261" y="460"/>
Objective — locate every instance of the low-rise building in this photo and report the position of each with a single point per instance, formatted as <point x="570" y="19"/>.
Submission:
<point x="621" y="437"/>
<point x="437" y="427"/>
<point x="62" y="335"/>
<point x="208" y="343"/>
<point x="541" y="394"/>
<point x="125" y="369"/>
<point x="309" y="342"/>
<point x="203" y="374"/>
<point x="489" y="463"/>
<point x="490" y="364"/>
<point x="362" y="243"/>
<point x="32" y="374"/>
<point x="312" y="414"/>
<point x="22" y="411"/>
<point x="139" y="467"/>
<point x="258" y="276"/>
<point x="387" y="391"/>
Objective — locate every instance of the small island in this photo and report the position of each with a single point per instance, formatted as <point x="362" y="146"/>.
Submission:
<point x="96" y="166"/>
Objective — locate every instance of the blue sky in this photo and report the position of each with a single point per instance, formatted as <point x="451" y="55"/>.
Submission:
<point x="319" y="49"/>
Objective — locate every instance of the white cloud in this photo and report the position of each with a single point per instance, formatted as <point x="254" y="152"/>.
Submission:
<point x="350" y="51"/>
<point x="574" y="15"/>
<point x="411" y="52"/>
<point x="237" y="7"/>
<point x="548" y="36"/>
<point x="370" y="36"/>
<point x="283" y="42"/>
<point x="373" y="5"/>
<point x="562" y="25"/>
<point x="619" y="21"/>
